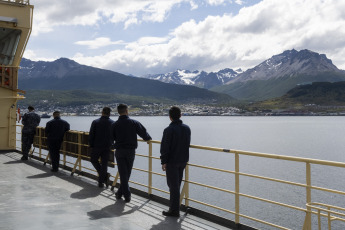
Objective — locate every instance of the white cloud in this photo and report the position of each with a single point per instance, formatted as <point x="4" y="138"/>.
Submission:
<point x="49" y="14"/>
<point x="99" y="42"/>
<point x="243" y="40"/>
<point x="30" y="54"/>
<point x="215" y="2"/>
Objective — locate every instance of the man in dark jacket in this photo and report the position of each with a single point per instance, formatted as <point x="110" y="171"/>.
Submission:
<point x="55" y="131"/>
<point x="174" y="157"/>
<point x="30" y="121"/>
<point x="125" y="131"/>
<point x="100" y="140"/>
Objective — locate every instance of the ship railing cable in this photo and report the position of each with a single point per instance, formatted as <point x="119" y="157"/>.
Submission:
<point x="309" y="208"/>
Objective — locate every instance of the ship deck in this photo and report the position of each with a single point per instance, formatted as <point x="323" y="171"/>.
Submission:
<point x="34" y="198"/>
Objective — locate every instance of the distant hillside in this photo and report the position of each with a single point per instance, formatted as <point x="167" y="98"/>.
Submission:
<point x="65" y="74"/>
<point x="82" y="97"/>
<point x="277" y="75"/>
<point x="317" y="93"/>
<point x="201" y="79"/>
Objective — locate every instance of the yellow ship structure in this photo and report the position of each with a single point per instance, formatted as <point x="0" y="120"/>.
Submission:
<point x="32" y="198"/>
<point x="15" y="29"/>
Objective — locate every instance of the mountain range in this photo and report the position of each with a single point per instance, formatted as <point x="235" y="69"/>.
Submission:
<point x="201" y="79"/>
<point x="271" y="78"/>
<point x="65" y="74"/>
<point x="277" y="75"/>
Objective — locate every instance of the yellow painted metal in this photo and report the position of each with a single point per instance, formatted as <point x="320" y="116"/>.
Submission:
<point x="237" y="188"/>
<point x="186" y="177"/>
<point x="150" y="169"/>
<point x="186" y="196"/>
<point x="22" y="12"/>
<point x="308" y="197"/>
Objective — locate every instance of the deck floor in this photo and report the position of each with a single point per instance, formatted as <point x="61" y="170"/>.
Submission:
<point x="33" y="198"/>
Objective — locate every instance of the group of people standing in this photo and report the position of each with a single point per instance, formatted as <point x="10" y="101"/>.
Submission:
<point x="121" y="135"/>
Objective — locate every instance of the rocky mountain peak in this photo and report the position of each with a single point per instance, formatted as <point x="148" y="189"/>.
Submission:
<point x="289" y="63"/>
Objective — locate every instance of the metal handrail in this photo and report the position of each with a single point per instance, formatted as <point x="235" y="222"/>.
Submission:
<point x="185" y="190"/>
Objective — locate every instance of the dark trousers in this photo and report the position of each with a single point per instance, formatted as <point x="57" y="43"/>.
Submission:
<point x="102" y="168"/>
<point x="54" y="150"/>
<point x="27" y="140"/>
<point x="125" y="160"/>
<point x="174" y="173"/>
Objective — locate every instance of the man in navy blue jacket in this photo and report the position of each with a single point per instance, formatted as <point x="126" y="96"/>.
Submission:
<point x="174" y="157"/>
<point x="55" y="131"/>
<point x="125" y="131"/>
<point x="100" y="140"/>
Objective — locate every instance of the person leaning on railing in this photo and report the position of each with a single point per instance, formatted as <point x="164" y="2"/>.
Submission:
<point x="100" y="141"/>
<point x="174" y="157"/>
<point x="125" y="131"/>
<point x="30" y="121"/>
<point x="55" y="131"/>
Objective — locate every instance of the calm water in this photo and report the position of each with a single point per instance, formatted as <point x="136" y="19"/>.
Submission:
<point x="310" y="137"/>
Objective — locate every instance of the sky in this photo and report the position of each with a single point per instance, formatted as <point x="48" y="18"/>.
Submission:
<point x="142" y="37"/>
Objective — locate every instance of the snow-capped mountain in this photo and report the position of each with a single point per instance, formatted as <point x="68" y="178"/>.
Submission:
<point x="197" y="78"/>
<point x="289" y="63"/>
<point x="280" y="73"/>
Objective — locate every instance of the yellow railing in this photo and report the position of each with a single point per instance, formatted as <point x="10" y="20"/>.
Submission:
<point x="185" y="195"/>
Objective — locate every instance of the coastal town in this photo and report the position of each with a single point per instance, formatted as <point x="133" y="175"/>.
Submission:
<point x="155" y="109"/>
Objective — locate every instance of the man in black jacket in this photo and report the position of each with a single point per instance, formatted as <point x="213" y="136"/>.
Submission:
<point x="125" y="131"/>
<point x="30" y="121"/>
<point x="55" y="131"/>
<point x="100" y="140"/>
<point x="174" y="157"/>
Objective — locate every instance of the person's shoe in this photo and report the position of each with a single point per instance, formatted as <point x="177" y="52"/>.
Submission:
<point x="118" y="196"/>
<point x="24" y="158"/>
<point x="127" y="199"/>
<point x="54" y="170"/>
<point x="171" y="213"/>
<point x="107" y="180"/>
<point x="100" y="185"/>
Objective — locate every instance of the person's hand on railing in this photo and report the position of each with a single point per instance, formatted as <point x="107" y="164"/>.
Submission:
<point x="164" y="167"/>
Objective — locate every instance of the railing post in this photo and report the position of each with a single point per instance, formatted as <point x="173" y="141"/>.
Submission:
<point x="237" y="188"/>
<point x="79" y="150"/>
<point x="64" y="152"/>
<point x="186" y="177"/>
<point x="40" y="142"/>
<point x="307" y="223"/>
<point x="329" y="219"/>
<point x="150" y="168"/>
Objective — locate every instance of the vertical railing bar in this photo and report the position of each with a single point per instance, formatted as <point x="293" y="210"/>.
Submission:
<point x="186" y="177"/>
<point x="308" y="196"/>
<point x="64" y="152"/>
<point x="79" y="150"/>
<point x="329" y="219"/>
<point x="319" y="218"/>
<point x="40" y="142"/>
<point x="237" y="188"/>
<point x="150" y="169"/>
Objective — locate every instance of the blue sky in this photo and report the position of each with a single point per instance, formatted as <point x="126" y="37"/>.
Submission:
<point x="157" y="36"/>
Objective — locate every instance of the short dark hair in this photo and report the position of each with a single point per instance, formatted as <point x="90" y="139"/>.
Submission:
<point x="121" y="108"/>
<point x="56" y="113"/>
<point x="31" y="107"/>
<point x="175" y="113"/>
<point x="106" y="111"/>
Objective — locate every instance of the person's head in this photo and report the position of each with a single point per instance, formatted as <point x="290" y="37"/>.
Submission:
<point x="56" y="114"/>
<point x="122" y="109"/>
<point x="106" y="111"/>
<point x="174" y="113"/>
<point x="31" y="108"/>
